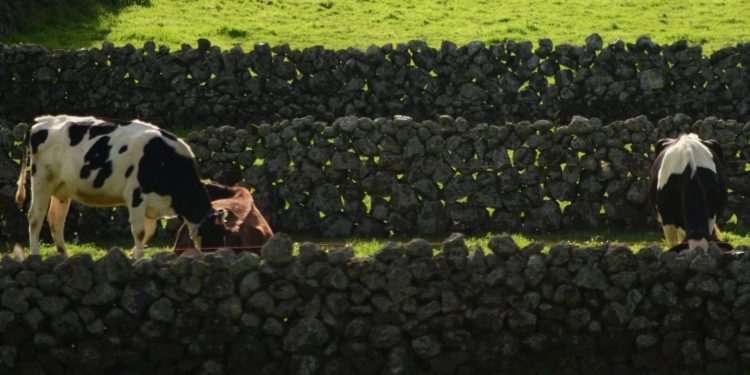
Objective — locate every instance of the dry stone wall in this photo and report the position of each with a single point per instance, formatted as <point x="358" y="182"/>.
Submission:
<point x="493" y="310"/>
<point x="510" y="81"/>
<point x="377" y="177"/>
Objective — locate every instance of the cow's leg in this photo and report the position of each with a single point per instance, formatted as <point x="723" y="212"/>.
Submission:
<point x="137" y="211"/>
<point x="193" y="230"/>
<point x="58" y="210"/>
<point x="138" y="228"/>
<point x="139" y="233"/>
<point x="182" y="240"/>
<point x="149" y="225"/>
<point x="40" y="198"/>
<point x="671" y="233"/>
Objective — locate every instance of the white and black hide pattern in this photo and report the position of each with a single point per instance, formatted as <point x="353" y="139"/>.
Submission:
<point x="688" y="190"/>
<point x="107" y="163"/>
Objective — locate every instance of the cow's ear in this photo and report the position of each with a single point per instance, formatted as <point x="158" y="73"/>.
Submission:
<point x="661" y="145"/>
<point x="715" y="147"/>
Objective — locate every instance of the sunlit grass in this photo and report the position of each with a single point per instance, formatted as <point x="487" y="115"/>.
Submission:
<point x="363" y="247"/>
<point x="360" y="23"/>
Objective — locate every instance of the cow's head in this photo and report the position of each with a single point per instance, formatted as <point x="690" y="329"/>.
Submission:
<point x="211" y="232"/>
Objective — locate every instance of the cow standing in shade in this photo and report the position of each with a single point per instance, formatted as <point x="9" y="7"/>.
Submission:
<point x="688" y="190"/>
<point x="105" y="163"/>
<point x="247" y="229"/>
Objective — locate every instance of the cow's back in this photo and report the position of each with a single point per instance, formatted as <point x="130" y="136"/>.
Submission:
<point x="97" y="161"/>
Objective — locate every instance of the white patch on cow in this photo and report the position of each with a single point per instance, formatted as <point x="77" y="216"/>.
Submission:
<point x="687" y="150"/>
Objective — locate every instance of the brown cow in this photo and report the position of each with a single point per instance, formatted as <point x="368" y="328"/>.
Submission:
<point x="248" y="229"/>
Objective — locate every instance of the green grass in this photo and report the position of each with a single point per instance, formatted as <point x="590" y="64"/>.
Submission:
<point x="360" y="23"/>
<point x="635" y="240"/>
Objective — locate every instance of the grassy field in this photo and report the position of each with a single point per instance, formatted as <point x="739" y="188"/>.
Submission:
<point x="360" y="23"/>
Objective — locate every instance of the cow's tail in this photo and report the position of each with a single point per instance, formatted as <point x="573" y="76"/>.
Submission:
<point x="21" y="184"/>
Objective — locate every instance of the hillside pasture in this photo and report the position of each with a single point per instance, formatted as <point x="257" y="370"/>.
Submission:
<point x="360" y="23"/>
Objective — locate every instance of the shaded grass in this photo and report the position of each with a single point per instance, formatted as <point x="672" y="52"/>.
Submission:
<point x="360" y="23"/>
<point x="77" y="26"/>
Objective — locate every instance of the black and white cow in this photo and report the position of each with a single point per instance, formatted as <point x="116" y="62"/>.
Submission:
<point x="108" y="163"/>
<point x="688" y="190"/>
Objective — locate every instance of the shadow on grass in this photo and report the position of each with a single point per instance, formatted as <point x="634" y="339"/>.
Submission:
<point x="68" y="24"/>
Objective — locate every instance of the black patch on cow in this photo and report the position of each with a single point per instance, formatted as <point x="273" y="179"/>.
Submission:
<point x="101" y="129"/>
<point x="217" y="191"/>
<point x="137" y="197"/>
<point x="97" y="158"/>
<point x="77" y="131"/>
<point x="123" y="149"/>
<point x="33" y="169"/>
<point x="213" y="234"/>
<point x="163" y="171"/>
<point x="129" y="171"/>
<point x="688" y="202"/>
<point x="37" y="138"/>
<point x="168" y="135"/>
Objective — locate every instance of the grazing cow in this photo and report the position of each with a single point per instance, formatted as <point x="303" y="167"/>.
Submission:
<point x="106" y="163"/>
<point x="247" y="229"/>
<point x="688" y="190"/>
